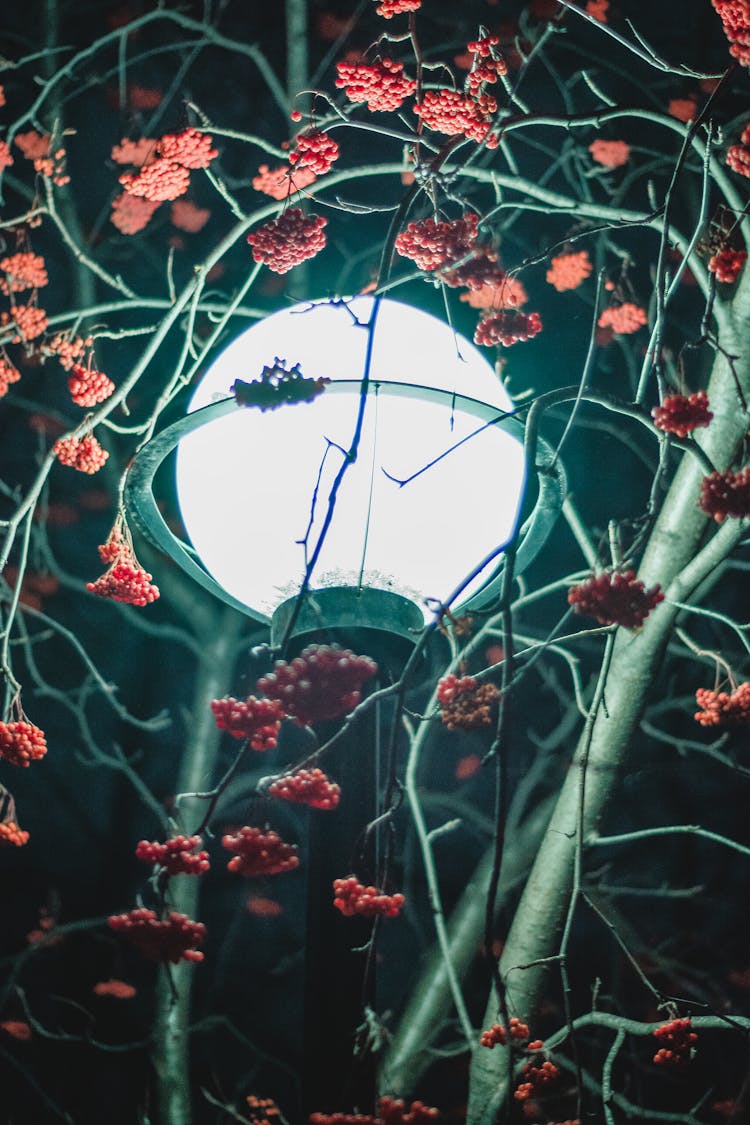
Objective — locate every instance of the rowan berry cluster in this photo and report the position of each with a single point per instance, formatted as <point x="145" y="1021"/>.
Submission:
<point x="21" y="743"/>
<point x="611" y="154"/>
<point x="174" y="938"/>
<point x="259" y="853"/>
<point x="568" y="271"/>
<point x="30" y="321"/>
<point x="5" y="158"/>
<point x="178" y="855"/>
<point x="190" y="148"/>
<point x="22" y="271"/>
<point x="315" y="150"/>
<point x="498" y="290"/>
<point x="352" y="897"/>
<point x="160" y="180"/>
<point x="433" y="244"/>
<point x="497" y="1034"/>
<point x="478" y="272"/>
<point x="623" y="319"/>
<point x="277" y="386"/>
<point x="136" y="153"/>
<point x="262" y="1110"/>
<point x="84" y="454"/>
<point x="186" y="216"/>
<point x="125" y="582"/>
<point x="382" y="84"/>
<point x="323" y="682"/>
<point x="257" y="720"/>
<point x="118" y="989"/>
<point x="131" y="213"/>
<point x="88" y="387"/>
<point x="536" y="1076"/>
<point x="394" y="1111"/>
<point x="115" y="545"/>
<point x="343" y="1119"/>
<point x="17" y="1029"/>
<point x="391" y="1111"/>
<point x="279" y="182"/>
<point x="389" y="8"/>
<point x="723" y="709"/>
<point x="53" y="167"/>
<point x="67" y="349"/>
<point x="738" y="156"/>
<point x="678" y="1039"/>
<point x="33" y="145"/>
<point x="615" y="598"/>
<point x="283" y="243"/>
<point x="681" y="414"/>
<point x="735" y="17"/>
<point x="684" y="109"/>
<point x="488" y="65"/>
<point x="8" y="374"/>
<point x="727" y="264"/>
<point x="454" y="114"/>
<point x="167" y="176"/>
<point x="11" y="835"/>
<point x="507" y="327"/>
<point x="307" y="787"/>
<point x="726" y="495"/>
<point x="465" y="704"/>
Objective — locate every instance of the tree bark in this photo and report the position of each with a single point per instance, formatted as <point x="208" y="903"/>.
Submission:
<point x="197" y="769"/>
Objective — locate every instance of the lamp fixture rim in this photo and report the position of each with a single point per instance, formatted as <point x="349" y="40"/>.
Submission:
<point x="146" y="517"/>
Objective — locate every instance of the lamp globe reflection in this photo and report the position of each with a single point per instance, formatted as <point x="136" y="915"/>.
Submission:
<point x="404" y="472"/>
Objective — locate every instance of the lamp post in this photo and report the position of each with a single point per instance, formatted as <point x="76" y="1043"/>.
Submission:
<point x="361" y="507"/>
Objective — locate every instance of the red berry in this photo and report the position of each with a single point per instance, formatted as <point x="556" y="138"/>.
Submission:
<point x="177" y="855"/>
<point x="323" y="682"/>
<point x="259" y="853"/>
<point x="257" y="720"/>
<point x="307" y="787"/>
<point x="21" y="743"/>
<point x="174" y="938"/>
<point x="681" y="414"/>
<point x="615" y="598"/>
<point x="352" y="897"/>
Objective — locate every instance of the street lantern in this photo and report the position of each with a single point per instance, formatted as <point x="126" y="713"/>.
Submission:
<point x="391" y="487"/>
<point x="436" y="484"/>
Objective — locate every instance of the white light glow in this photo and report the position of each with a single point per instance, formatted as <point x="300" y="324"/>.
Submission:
<point x="246" y="481"/>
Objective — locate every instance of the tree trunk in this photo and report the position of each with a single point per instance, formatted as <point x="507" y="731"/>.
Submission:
<point x="197" y="772"/>
<point x="673" y="558"/>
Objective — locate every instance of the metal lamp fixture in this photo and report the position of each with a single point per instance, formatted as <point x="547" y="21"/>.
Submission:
<point x="397" y="485"/>
<point x="436" y="484"/>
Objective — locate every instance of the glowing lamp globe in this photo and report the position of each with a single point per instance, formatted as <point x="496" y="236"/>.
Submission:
<point x="435" y="486"/>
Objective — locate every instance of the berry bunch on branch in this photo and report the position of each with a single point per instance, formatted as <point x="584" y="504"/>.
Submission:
<point x="259" y="853"/>
<point x="677" y="1041"/>
<point x="125" y="580"/>
<point x="173" y="938"/>
<point x="22" y="743"/>
<point x="257" y="720"/>
<point x="352" y="897"/>
<point x="177" y="856"/>
<point x="465" y="703"/>
<point x="307" y="787"/>
<point x="615" y="598"/>
<point x="723" y="709"/>
<point x="323" y="682"/>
